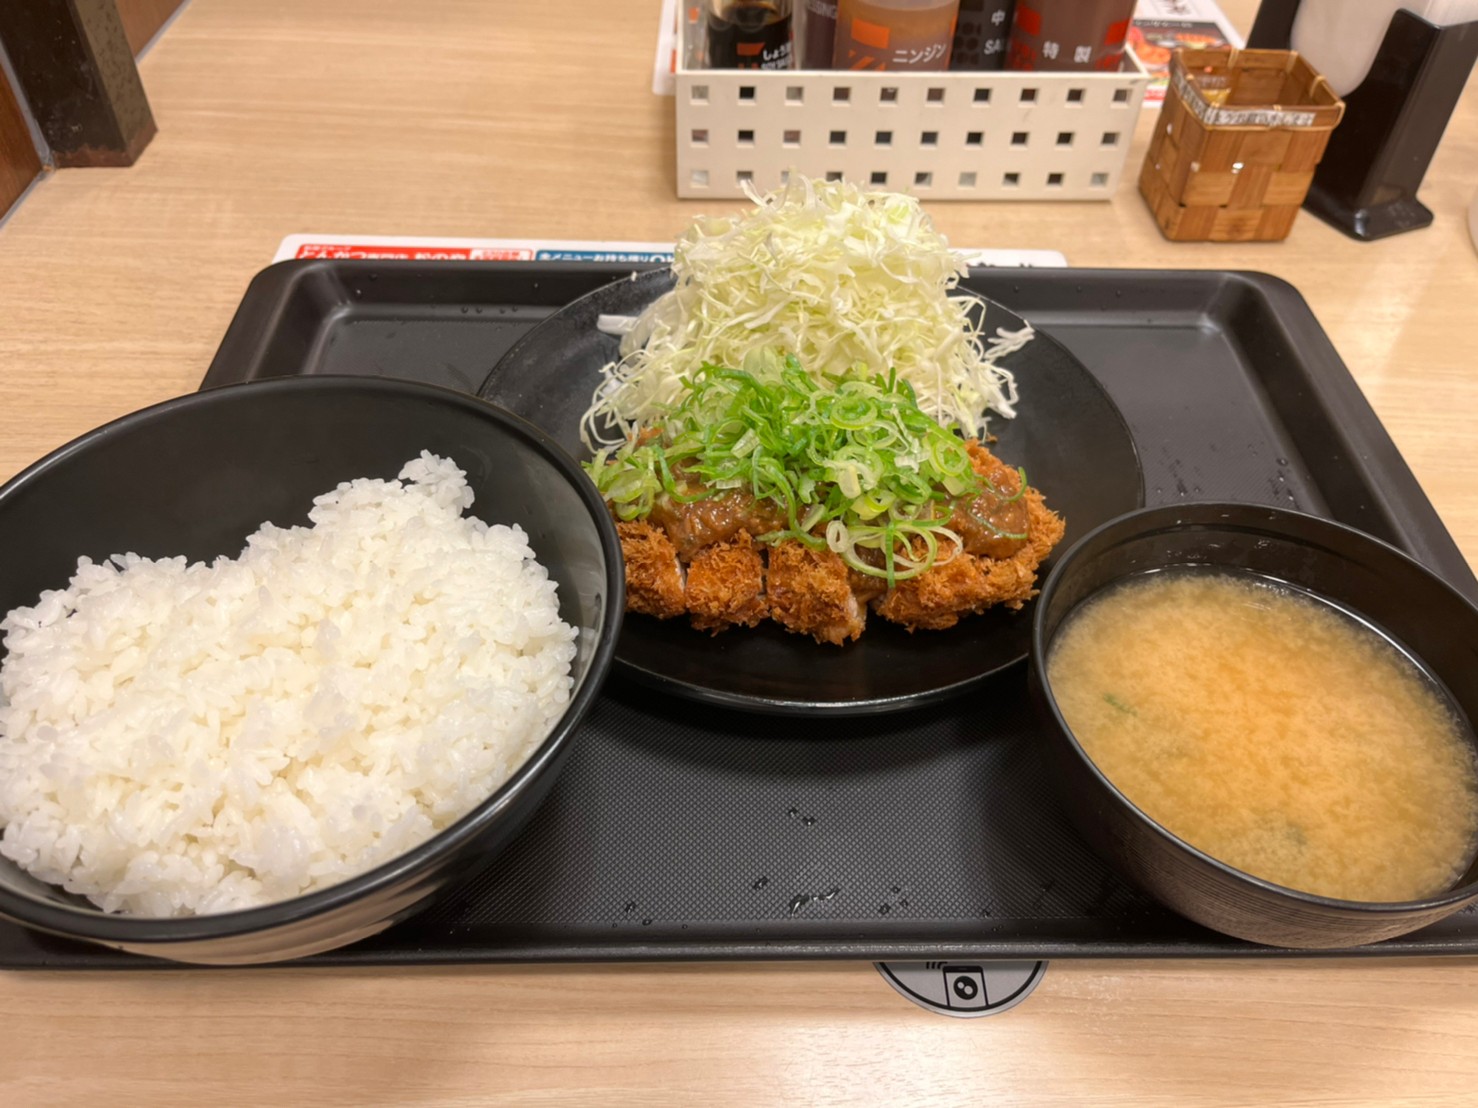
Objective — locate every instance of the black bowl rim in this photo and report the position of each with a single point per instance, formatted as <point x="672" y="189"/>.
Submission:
<point x="1252" y="517"/>
<point x="98" y="926"/>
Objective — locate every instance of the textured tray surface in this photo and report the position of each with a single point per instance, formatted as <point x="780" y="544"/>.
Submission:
<point x="686" y="832"/>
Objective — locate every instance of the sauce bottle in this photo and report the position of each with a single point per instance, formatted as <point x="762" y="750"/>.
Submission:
<point x="980" y="34"/>
<point x="1069" y="34"/>
<point x="894" y="34"/>
<point x="748" y="34"/>
<point x="818" y="33"/>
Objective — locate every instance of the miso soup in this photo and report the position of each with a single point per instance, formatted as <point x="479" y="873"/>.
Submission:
<point x="1272" y="731"/>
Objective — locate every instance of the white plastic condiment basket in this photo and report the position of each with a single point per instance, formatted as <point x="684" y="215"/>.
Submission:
<point x="940" y="136"/>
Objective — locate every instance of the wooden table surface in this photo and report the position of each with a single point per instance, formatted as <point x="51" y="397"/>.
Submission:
<point x="494" y="118"/>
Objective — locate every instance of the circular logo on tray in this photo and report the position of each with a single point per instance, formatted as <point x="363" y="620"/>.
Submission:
<point x="964" y="988"/>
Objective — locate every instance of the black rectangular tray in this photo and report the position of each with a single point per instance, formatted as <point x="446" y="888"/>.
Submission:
<point x="679" y="832"/>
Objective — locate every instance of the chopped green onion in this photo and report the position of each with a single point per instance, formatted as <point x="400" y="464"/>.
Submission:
<point x="853" y="462"/>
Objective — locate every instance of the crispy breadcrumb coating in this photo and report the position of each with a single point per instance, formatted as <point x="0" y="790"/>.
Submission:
<point x="967" y="584"/>
<point x="811" y="595"/>
<point x="733" y="580"/>
<point x="654" y="576"/>
<point x="726" y="585"/>
<point x="955" y="585"/>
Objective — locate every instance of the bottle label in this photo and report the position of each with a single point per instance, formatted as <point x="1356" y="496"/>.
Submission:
<point x="871" y="35"/>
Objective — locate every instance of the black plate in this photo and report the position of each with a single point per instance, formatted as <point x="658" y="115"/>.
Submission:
<point x="1069" y="436"/>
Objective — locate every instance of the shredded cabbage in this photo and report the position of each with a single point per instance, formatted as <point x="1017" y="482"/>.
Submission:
<point x="842" y="278"/>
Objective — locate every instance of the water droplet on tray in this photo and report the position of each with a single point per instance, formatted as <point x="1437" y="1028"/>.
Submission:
<point x="631" y="905"/>
<point x="800" y="900"/>
<point x="808" y="820"/>
<point x="761" y="883"/>
<point x="647" y="922"/>
<point x="884" y="909"/>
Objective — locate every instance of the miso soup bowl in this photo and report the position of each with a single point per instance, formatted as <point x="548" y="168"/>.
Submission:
<point x="1424" y="615"/>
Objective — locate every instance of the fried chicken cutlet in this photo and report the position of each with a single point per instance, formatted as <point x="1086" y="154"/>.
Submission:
<point x="726" y="585"/>
<point x="733" y="579"/>
<point x="811" y="593"/>
<point x="962" y="584"/>
<point x="655" y="584"/>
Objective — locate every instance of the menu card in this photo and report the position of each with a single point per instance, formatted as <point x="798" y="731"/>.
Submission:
<point x="1162" y="26"/>
<point x="411" y="248"/>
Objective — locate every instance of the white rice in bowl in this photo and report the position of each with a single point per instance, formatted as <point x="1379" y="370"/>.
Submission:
<point x="179" y="739"/>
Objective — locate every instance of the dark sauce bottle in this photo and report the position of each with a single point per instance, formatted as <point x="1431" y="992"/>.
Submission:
<point x="748" y="34"/>
<point x="819" y="35"/>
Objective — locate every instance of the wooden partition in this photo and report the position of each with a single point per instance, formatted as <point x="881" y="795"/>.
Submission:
<point x="114" y="115"/>
<point x="19" y="162"/>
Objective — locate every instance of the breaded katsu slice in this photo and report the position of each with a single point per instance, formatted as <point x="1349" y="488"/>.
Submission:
<point x="726" y="585"/>
<point x="810" y="593"/>
<point x="654" y="576"/>
<point x="700" y="558"/>
<point x="967" y="584"/>
<point x="1045" y="527"/>
<point x="956" y="585"/>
